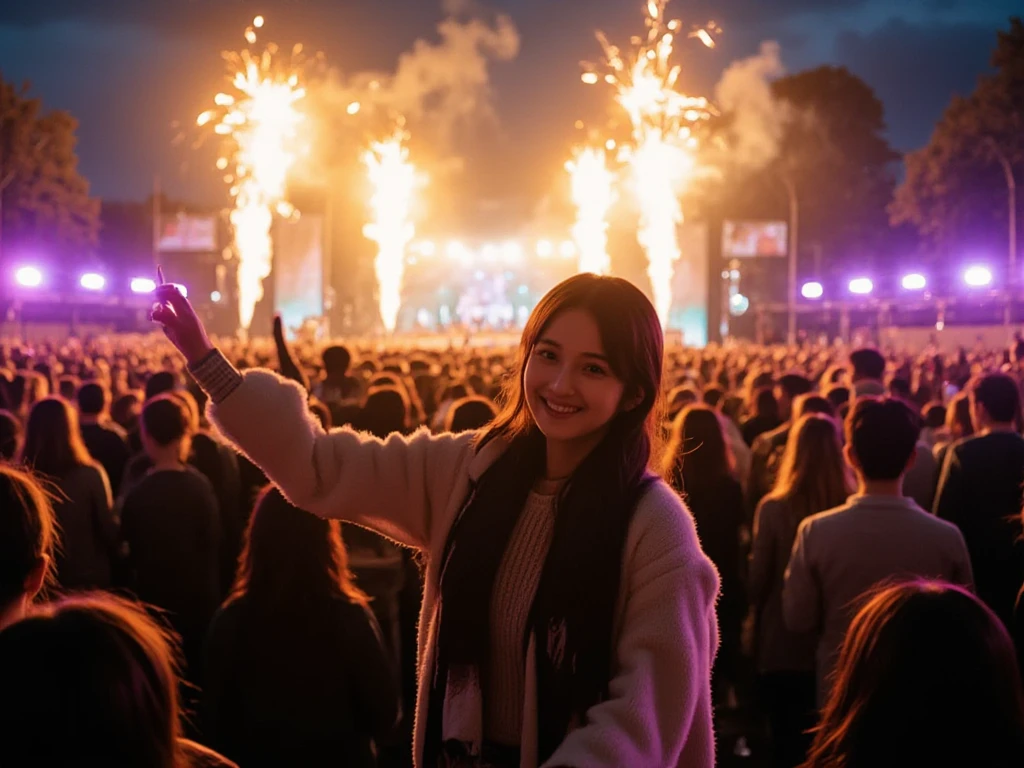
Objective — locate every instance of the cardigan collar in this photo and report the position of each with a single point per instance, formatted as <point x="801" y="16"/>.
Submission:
<point x="484" y="457"/>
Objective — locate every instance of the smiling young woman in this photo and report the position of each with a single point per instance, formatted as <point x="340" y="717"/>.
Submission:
<point x="568" y="615"/>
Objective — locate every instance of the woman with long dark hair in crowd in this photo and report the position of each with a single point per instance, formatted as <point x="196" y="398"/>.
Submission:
<point x="812" y="478"/>
<point x="582" y="638"/>
<point x="92" y="681"/>
<point x="296" y="673"/>
<point x="25" y="390"/>
<point x="10" y="436"/>
<point x="927" y="676"/>
<point x="28" y="537"/>
<point x="700" y="466"/>
<point x="958" y="426"/>
<point x="83" y="505"/>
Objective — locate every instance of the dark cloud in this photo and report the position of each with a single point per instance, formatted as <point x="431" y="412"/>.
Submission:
<point x="916" y="70"/>
<point x="129" y="68"/>
<point x="186" y="14"/>
<point x="168" y="14"/>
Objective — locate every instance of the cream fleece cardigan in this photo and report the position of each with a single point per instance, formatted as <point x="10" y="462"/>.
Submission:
<point x="411" y="488"/>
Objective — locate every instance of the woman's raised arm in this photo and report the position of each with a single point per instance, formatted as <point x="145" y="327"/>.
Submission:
<point x="397" y="486"/>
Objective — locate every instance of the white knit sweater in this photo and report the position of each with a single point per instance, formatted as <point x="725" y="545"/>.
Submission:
<point x="411" y="488"/>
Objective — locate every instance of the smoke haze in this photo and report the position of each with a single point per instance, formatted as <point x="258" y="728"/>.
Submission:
<point x="758" y="120"/>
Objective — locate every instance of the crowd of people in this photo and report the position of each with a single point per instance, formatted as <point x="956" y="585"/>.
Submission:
<point x="589" y="550"/>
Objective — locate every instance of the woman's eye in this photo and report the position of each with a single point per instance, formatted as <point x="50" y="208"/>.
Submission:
<point x="546" y="354"/>
<point x="597" y="370"/>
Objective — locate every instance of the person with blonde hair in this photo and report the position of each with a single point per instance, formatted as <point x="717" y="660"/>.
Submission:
<point x="812" y="478"/>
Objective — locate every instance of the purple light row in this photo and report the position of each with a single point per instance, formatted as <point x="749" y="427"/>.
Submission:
<point x="976" y="276"/>
<point x="32" y="277"/>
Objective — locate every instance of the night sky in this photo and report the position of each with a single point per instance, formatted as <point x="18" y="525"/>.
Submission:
<point x="128" y="69"/>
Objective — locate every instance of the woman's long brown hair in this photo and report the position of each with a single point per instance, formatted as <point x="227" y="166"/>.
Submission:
<point x="53" y="442"/>
<point x="812" y="474"/>
<point x="697" y="452"/>
<point x="292" y="558"/>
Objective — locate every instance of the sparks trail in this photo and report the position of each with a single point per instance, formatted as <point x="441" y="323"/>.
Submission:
<point x="593" y="193"/>
<point x="259" y="121"/>
<point x="661" y="154"/>
<point x="394" y="180"/>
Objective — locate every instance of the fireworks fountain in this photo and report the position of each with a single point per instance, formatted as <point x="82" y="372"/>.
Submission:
<point x="593" y="193"/>
<point x="394" y="180"/>
<point x="260" y="122"/>
<point x="662" y="154"/>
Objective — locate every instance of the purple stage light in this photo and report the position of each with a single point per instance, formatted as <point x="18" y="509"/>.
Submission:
<point x="978" y="276"/>
<point x="28" y="277"/>
<point x="812" y="290"/>
<point x="143" y="285"/>
<point x="914" y="282"/>
<point x="92" y="281"/>
<point x="861" y="286"/>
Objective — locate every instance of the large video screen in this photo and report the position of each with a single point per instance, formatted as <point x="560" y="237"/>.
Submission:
<point x="754" y="239"/>
<point x="187" y="233"/>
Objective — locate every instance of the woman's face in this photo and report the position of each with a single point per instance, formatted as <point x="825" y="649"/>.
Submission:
<point x="569" y="385"/>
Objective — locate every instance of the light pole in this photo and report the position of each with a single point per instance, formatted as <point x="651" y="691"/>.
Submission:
<point x="794" y="224"/>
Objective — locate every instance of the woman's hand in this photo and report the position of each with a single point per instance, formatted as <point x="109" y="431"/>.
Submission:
<point x="181" y="325"/>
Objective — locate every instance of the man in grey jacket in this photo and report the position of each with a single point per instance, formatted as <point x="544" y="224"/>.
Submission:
<point x="878" y="535"/>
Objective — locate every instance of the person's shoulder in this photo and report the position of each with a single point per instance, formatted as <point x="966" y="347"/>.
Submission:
<point x="661" y="521"/>
<point x="349" y="609"/>
<point x="111" y="430"/>
<point x="197" y="756"/>
<point x="827" y="520"/>
<point x="761" y="441"/>
<point x="778" y="435"/>
<point x="204" y="438"/>
<point x="766" y="441"/>
<point x="771" y="507"/>
<point x="927" y="521"/>
<point x="965" y="445"/>
<point x="924" y="453"/>
<point x="198" y="480"/>
<point x="981" y="445"/>
<point x="90" y="472"/>
<point x="226" y="618"/>
<point x="136" y="463"/>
